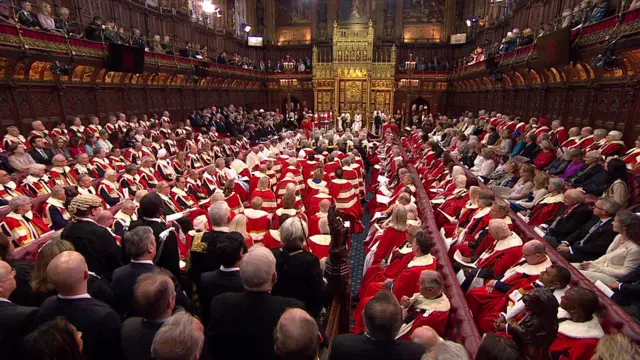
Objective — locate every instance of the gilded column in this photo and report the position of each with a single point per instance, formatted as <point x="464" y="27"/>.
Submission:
<point x="449" y="20"/>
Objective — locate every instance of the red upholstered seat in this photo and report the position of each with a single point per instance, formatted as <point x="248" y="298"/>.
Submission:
<point x="462" y="328"/>
<point x="30" y="251"/>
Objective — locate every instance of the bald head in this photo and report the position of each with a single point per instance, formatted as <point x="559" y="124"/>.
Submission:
<point x="573" y="197"/>
<point x="297" y="336"/>
<point x="534" y="252"/>
<point x="68" y="273"/>
<point x="324" y="205"/>
<point x="426" y="336"/>
<point x="258" y="269"/>
<point x="499" y="229"/>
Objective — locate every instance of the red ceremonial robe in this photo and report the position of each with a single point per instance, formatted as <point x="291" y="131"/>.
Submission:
<point x="558" y="136"/>
<point x="486" y="306"/>
<point x="258" y="223"/>
<point x="452" y="206"/>
<point x="54" y="203"/>
<point x="234" y="202"/>
<point x="182" y="199"/>
<point x="390" y="239"/>
<point x="61" y="176"/>
<point x="314" y="203"/>
<point x="271" y="239"/>
<point x="275" y="223"/>
<point x="319" y="245"/>
<point x="426" y="312"/>
<point x="576" y="341"/>
<point x="82" y="169"/>
<point x="478" y="222"/>
<point x="297" y="176"/>
<point x="10" y="190"/>
<point x="268" y="200"/>
<point x="281" y="187"/>
<point x="544" y="159"/>
<point x="313" y="188"/>
<point x="148" y="178"/>
<point x="631" y="158"/>
<point x="347" y="201"/>
<point x="614" y="148"/>
<point x="501" y="256"/>
<point x="405" y="284"/>
<point x="314" y="221"/>
<point x="23" y="229"/>
<point x="570" y="143"/>
<point x="37" y="186"/>
<point x="546" y="209"/>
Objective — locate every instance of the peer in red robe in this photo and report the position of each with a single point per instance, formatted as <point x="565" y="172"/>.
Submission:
<point x="452" y="205"/>
<point x="269" y="203"/>
<point x="547" y="208"/>
<point x="24" y="228"/>
<point x="422" y="311"/>
<point x="271" y="239"/>
<point x="347" y="201"/>
<point x="558" y="136"/>
<point x="9" y="189"/>
<point x="61" y="175"/>
<point x="632" y="157"/>
<point x="319" y="245"/>
<point x="487" y="302"/>
<point x="613" y="148"/>
<point x="258" y="222"/>
<point x="544" y="159"/>
<point x="580" y="332"/>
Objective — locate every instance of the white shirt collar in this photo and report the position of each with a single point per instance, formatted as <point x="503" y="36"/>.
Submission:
<point x="226" y="269"/>
<point x="87" y="219"/>
<point x="222" y="229"/>
<point x="158" y="220"/>
<point x="142" y="262"/>
<point x="4" y="300"/>
<point x="83" y="296"/>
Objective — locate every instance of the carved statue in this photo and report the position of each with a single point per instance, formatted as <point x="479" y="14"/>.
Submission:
<point x="337" y="270"/>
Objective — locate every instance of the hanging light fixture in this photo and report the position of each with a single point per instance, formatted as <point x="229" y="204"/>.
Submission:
<point x="208" y="7"/>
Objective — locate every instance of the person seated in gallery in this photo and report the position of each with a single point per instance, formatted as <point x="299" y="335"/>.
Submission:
<point x="593" y="238"/>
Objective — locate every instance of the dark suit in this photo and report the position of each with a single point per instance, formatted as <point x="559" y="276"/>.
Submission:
<point x="99" y="324"/>
<point x="241" y="324"/>
<point x="96" y="244"/>
<point x="16" y="322"/>
<point x="565" y="225"/>
<point x="28" y="19"/>
<point x="299" y="277"/>
<point x="588" y="243"/>
<point x="40" y="158"/>
<point x="208" y="260"/>
<point x="352" y="346"/>
<point x="137" y="336"/>
<point x="123" y="285"/>
<point x="214" y="283"/>
<point x="592" y="180"/>
<point x="628" y="295"/>
<point x="168" y="256"/>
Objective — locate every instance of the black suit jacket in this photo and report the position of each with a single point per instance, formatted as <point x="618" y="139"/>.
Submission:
<point x="41" y="159"/>
<point x="124" y="282"/>
<point x="137" y="336"/>
<point x="208" y="260"/>
<point x="16" y="322"/>
<point x="629" y="291"/>
<point x="567" y="225"/>
<point x="241" y="324"/>
<point x="596" y="243"/>
<point x="99" y="324"/>
<point x="169" y="258"/>
<point x="96" y="244"/>
<point x="592" y="180"/>
<point x="299" y="277"/>
<point x="214" y="283"/>
<point x="352" y="346"/>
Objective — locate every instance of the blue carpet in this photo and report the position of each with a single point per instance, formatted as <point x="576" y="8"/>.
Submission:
<point x="357" y="254"/>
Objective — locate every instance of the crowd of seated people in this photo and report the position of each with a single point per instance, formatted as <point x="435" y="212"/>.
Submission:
<point x="247" y="237"/>
<point x="547" y="187"/>
<point x="422" y="64"/>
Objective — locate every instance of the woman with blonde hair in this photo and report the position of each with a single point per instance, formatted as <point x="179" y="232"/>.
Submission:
<point x="540" y="190"/>
<point x="394" y="235"/>
<point x="616" y="347"/>
<point x="45" y="19"/>
<point x="42" y="289"/>
<point x="239" y="225"/>
<point x="525" y="185"/>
